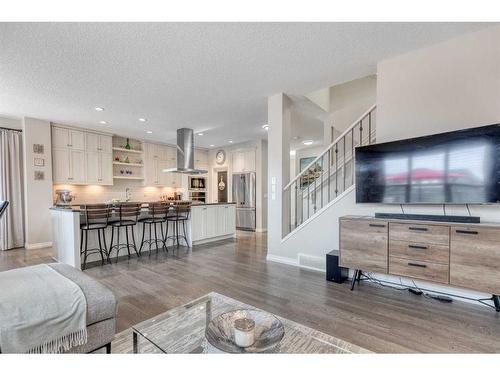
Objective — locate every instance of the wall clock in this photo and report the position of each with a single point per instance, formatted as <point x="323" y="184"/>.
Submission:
<point x="220" y="157"/>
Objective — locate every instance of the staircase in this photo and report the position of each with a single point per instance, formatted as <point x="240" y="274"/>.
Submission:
<point x="328" y="176"/>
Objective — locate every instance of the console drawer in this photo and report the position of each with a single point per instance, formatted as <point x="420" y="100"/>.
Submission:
<point x="419" y="270"/>
<point x="420" y="251"/>
<point x="422" y="233"/>
<point x="364" y="244"/>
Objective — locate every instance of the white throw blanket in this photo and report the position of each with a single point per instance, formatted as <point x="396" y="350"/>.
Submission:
<point x="41" y="311"/>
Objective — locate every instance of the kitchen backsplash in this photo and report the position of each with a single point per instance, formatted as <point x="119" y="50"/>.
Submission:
<point x="99" y="194"/>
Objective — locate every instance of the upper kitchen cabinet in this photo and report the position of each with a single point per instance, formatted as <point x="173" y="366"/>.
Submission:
<point x="98" y="142"/>
<point x="243" y="161"/>
<point x="68" y="138"/>
<point x="81" y="157"/>
<point x="68" y="166"/>
<point x="156" y="151"/>
<point x="99" y="169"/>
<point x="201" y="159"/>
<point x="158" y="158"/>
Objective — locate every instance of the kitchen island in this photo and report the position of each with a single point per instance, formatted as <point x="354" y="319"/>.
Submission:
<point x="207" y="223"/>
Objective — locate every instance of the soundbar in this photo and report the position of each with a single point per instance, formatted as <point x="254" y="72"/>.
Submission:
<point x="444" y="218"/>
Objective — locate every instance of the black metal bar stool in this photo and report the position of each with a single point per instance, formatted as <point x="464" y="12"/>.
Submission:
<point x="178" y="215"/>
<point x="126" y="216"/>
<point x="157" y="214"/>
<point x="95" y="217"/>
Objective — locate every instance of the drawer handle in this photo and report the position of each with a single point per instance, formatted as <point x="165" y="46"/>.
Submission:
<point x="417" y="265"/>
<point x="418" y="247"/>
<point x="467" y="231"/>
<point x="377" y="225"/>
<point x="418" y="228"/>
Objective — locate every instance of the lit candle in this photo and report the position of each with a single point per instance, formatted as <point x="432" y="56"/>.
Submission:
<point x="244" y="332"/>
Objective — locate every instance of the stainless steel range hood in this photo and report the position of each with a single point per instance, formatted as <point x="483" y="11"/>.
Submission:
<point x="185" y="153"/>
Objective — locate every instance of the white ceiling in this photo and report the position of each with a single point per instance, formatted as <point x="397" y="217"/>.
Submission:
<point x="213" y="77"/>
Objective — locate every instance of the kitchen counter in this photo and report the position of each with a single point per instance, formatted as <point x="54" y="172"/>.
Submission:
<point x="76" y="207"/>
<point x="208" y="222"/>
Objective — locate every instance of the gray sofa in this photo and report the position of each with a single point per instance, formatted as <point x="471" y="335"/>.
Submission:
<point x="101" y="309"/>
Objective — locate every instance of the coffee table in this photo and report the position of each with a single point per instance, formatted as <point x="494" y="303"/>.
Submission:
<point x="182" y="330"/>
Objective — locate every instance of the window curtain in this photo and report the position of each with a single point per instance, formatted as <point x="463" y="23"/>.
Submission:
<point x="11" y="189"/>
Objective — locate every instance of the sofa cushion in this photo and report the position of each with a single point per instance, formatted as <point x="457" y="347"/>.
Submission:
<point x="101" y="302"/>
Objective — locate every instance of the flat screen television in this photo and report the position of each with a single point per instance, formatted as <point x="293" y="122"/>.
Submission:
<point x="458" y="167"/>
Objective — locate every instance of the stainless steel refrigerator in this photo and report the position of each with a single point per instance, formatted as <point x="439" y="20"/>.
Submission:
<point x="244" y="197"/>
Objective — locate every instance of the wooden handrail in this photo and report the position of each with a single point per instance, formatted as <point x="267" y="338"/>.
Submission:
<point x="366" y="113"/>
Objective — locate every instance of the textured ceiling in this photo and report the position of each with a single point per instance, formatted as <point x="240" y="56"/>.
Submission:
<point x="213" y="77"/>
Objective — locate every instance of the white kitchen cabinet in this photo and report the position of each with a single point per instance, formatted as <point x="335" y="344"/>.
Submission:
<point x="92" y="167"/>
<point x="98" y="142"/>
<point x="68" y="138"/>
<point x="68" y="166"/>
<point x="243" y="161"/>
<point x="77" y="166"/>
<point x="212" y="222"/>
<point x="106" y="164"/>
<point x="201" y="159"/>
<point x="60" y="165"/>
<point x="60" y="137"/>
<point x="99" y="168"/>
<point x="81" y="157"/>
<point x="198" y="223"/>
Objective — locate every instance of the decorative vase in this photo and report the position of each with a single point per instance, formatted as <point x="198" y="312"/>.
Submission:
<point x="127" y="146"/>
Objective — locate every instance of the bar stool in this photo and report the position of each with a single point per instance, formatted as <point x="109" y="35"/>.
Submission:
<point x="157" y="214"/>
<point x="127" y="215"/>
<point x="95" y="217"/>
<point x="179" y="215"/>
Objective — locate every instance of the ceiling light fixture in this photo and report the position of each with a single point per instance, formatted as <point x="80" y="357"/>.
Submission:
<point x="103" y="122"/>
<point x="265" y="127"/>
<point x="99" y="109"/>
<point x="200" y="134"/>
<point x="230" y="141"/>
<point x="149" y="132"/>
<point x="212" y="145"/>
<point x="308" y="142"/>
<point x="142" y="119"/>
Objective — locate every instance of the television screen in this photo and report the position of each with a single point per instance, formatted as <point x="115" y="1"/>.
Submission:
<point x="456" y="167"/>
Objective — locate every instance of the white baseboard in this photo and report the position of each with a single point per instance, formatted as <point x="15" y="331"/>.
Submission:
<point x="39" y="245"/>
<point x="284" y="260"/>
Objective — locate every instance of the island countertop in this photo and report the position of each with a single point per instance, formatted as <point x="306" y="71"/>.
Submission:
<point x="76" y="207"/>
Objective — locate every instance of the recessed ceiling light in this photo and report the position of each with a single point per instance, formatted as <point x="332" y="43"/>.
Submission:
<point x="212" y="145"/>
<point x="230" y="141"/>
<point x="99" y="109"/>
<point x="308" y="142"/>
<point x="103" y="122"/>
<point x="142" y="119"/>
<point x="200" y="133"/>
<point x="265" y="127"/>
<point x="149" y="132"/>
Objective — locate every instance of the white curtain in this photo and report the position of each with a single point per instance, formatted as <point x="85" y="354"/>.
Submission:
<point x="11" y="189"/>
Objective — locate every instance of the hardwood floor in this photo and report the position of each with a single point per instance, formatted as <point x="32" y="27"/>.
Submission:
<point x="376" y="318"/>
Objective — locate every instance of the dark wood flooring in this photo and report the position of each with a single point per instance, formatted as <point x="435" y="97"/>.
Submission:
<point x="379" y="319"/>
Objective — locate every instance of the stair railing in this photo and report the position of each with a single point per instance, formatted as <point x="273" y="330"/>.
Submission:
<point x="328" y="175"/>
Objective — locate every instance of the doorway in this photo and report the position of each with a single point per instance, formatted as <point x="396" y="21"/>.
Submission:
<point x="222" y="186"/>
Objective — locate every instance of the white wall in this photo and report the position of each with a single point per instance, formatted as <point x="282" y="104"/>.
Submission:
<point x="348" y="101"/>
<point x="37" y="194"/>
<point x="448" y="86"/>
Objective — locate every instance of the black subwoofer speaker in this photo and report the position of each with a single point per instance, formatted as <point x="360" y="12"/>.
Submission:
<point x="334" y="272"/>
